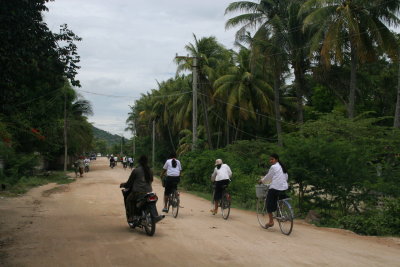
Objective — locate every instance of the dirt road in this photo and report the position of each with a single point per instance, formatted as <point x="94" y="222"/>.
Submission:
<point x="83" y="224"/>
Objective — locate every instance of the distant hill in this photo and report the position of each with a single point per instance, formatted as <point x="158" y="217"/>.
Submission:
<point x="111" y="139"/>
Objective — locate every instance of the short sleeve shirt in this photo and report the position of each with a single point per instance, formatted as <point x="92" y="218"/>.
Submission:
<point x="171" y="171"/>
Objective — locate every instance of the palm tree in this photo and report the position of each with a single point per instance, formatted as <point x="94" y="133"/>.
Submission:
<point x="209" y="54"/>
<point x="354" y="27"/>
<point x="268" y="18"/>
<point x="246" y="92"/>
<point x="297" y="40"/>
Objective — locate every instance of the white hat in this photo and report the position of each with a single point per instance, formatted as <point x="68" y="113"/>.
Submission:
<point x="218" y="162"/>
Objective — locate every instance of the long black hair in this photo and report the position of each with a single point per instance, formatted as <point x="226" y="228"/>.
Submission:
<point x="275" y="156"/>
<point x="173" y="156"/>
<point x="143" y="161"/>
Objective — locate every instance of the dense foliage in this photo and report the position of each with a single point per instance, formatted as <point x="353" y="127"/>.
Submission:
<point x="37" y="101"/>
<point x="345" y="169"/>
<point x="315" y="81"/>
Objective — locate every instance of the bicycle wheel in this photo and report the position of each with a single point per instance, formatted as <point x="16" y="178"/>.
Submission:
<point x="149" y="223"/>
<point x="225" y="205"/>
<point x="262" y="214"/>
<point x="175" y="204"/>
<point x="285" y="217"/>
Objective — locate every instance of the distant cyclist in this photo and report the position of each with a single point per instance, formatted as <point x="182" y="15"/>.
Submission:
<point x="221" y="176"/>
<point x="112" y="162"/>
<point x="173" y="169"/>
<point x="125" y="162"/>
<point x="130" y="161"/>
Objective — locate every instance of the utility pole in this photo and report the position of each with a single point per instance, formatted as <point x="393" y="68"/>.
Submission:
<point x="121" y="145"/>
<point x="65" y="132"/>
<point x="154" y="141"/>
<point x="194" y="104"/>
<point x="194" y="88"/>
<point x="133" y="138"/>
<point x="133" y="146"/>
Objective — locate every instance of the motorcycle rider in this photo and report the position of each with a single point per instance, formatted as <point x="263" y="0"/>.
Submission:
<point x="81" y="165"/>
<point x="139" y="183"/>
<point x="87" y="164"/>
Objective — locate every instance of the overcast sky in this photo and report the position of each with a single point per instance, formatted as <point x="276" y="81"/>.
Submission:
<point x="129" y="45"/>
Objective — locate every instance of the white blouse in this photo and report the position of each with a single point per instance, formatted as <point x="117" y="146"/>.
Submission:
<point x="276" y="177"/>
<point x="171" y="171"/>
<point x="222" y="173"/>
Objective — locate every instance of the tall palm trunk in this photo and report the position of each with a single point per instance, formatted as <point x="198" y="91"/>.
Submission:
<point x="277" y="110"/>
<point x="237" y="130"/>
<point x="170" y="137"/>
<point x="300" y="84"/>
<point x="353" y="82"/>
<point x="397" y="113"/>
<point x="206" y="122"/>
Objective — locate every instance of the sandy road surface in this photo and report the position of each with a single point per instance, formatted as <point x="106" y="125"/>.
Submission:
<point x="83" y="224"/>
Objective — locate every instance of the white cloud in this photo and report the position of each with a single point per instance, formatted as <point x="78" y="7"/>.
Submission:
<point x="128" y="45"/>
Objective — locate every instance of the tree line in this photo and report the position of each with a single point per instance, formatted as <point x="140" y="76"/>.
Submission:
<point x="315" y="80"/>
<point x="37" y="103"/>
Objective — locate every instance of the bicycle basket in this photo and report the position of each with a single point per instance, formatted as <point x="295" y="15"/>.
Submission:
<point x="261" y="190"/>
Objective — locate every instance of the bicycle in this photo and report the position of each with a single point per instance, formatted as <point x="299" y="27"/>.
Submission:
<point x="284" y="213"/>
<point x="173" y="201"/>
<point x="224" y="202"/>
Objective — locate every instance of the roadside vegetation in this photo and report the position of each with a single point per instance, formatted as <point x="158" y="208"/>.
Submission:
<point x="314" y="81"/>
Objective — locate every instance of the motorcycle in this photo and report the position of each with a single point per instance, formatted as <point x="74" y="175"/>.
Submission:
<point x="146" y="212"/>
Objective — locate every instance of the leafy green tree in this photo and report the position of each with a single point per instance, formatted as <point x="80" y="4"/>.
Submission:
<point x="355" y="28"/>
<point x="246" y="92"/>
<point x="268" y="19"/>
<point x="210" y="54"/>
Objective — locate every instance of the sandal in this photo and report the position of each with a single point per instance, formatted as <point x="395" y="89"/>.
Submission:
<point x="213" y="212"/>
<point x="268" y="225"/>
<point x="165" y="210"/>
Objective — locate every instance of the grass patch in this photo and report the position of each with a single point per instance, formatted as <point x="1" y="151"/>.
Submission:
<point x="25" y="183"/>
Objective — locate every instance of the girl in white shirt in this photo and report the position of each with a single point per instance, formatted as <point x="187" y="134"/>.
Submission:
<point x="173" y="169"/>
<point x="221" y="176"/>
<point x="277" y="176"/>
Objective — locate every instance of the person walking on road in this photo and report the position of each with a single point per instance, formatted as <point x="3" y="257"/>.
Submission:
<point x="220" y="177"/>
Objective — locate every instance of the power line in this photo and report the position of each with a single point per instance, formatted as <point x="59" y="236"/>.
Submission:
<point x="236" y="128"/>
<point x="121" y="96"/>
<point x="262" y="115"/>
<point x="36" y="98"/>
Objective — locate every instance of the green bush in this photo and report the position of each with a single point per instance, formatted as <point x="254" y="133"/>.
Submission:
<point x="376" y="222"/>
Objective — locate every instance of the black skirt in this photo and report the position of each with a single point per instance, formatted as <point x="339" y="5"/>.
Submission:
<point x="272" y="199"/>
<point x="219" y="188"/>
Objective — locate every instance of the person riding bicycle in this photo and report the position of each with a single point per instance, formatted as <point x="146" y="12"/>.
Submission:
<point x="130" y="161"/>
<point x="139" y="183"/>
<point x="125" y="162"/>
<point x="173" y="169"/>
<point x="112" y="161"/>
<point x="221" y="177"/>
<point x="278" y="177"/>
